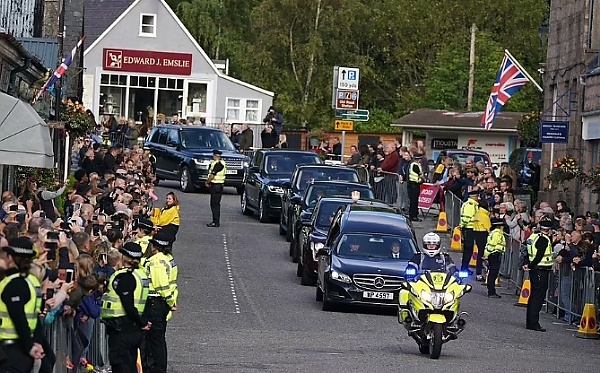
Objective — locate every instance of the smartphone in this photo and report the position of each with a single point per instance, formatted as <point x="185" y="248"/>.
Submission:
<point x="104" y="258"/>
<point x="116" y="218"/>
<point x="69" y="276"/>
<point x="49" y="293"/>
<point x="96" y="228"/>
<point x="95" y="218"/>
<point x="13" y="208"/>
<point x="52" y="274"/>
<point x="121" y="225"/>
<point x="76" y="206"/>
<point x="53" y="235"/>
<point x="51" y="246"/>
<point x="65" y="226"/>
<point x="42" y="215"/>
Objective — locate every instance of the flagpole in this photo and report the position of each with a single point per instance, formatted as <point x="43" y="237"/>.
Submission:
<point x="523" y="70"/>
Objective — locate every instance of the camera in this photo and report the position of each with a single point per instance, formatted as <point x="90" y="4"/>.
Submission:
<point x="13" y="208"/>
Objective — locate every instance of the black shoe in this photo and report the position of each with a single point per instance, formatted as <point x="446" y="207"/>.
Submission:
<point x="212" y="225"/>
<point x="495" y="296"/>
<point x="538" y="329"/>
<point x="416" y="219"/>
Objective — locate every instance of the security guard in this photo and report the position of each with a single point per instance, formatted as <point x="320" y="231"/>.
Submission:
<point x="161" y="301"/>
<point x="21" y="333"/>
<point x="539" y="262"/>
<point x="168" y="251"/>
<point x="494" y="249"/>
<point x="214" y="183"/>
<point x="415" y="179"/>
<point x="144" y="234"/>
<point x="467" y="220"/>
<point x="123" y="307"/>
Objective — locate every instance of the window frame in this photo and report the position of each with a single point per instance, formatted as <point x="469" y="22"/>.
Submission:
<point x="141" y="29"/>
<point x="243" y="109"/>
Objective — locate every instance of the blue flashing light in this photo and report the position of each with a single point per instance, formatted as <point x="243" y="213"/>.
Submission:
<point x="463" y="274"/>
<point x="410" y="271"/>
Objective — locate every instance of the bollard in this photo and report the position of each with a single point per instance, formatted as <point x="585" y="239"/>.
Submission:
<point x="588" y="327"/>
<point x="473" y="261"/>
<point x="525" y="292"/>
<point x="442" y="223"/>
<point x="456" y="244"/>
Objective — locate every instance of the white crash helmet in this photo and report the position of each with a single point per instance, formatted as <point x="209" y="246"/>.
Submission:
<point x="431" y="239"/>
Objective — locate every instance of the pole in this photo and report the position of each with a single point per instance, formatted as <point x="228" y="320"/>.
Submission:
<point x="343" y="145"/>
<point x="58" y="87"/>
<point x="471" y="68"/>
<point x="67" y="156"/>
<point x="524" y="71"/>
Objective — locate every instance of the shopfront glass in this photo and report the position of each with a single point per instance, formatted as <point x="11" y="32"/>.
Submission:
<point x="196" y="99"/>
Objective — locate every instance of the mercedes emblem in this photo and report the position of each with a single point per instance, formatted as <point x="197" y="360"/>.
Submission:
<point x="379" y="282"/>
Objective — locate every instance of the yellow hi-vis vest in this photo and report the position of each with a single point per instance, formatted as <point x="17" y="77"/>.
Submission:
<point x="158" y="270"/>
<point x="143" y="242"/>
<point x="414" y="177"/>
<point x="111" y="303"/>
<point x="547" y="260"/>
<point x="220" y="176"/>
<point x="496" y="242"/>
<point x="173" y="281"/>
<point x="32" y="308"/>
<point x="467" y="213"/>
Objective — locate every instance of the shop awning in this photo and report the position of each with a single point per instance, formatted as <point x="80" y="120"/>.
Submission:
<point x="24" y="136"/>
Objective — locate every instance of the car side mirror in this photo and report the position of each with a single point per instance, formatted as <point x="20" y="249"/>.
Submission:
<point x="171" y="144"/>
<point x="468" y="288"/>
<point x="323" y="252"/>
<point x="287" y="184"/>
<point x="296" y="200"/>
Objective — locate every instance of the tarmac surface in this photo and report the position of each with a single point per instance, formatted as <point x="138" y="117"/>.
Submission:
<point x="242" y="309"/>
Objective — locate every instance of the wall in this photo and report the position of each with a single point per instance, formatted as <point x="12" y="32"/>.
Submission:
<point x="566" y="62"/>
<point x="227" y="88"/>
<point x="50" y="24"/>
<point x="497" y="146"/>
<point x="73" y="23"/>
<point x="22" y="18"/>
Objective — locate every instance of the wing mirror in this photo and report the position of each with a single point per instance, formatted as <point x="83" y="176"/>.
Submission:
<point x="468" y="288"/>
<point x="323" y="252"/>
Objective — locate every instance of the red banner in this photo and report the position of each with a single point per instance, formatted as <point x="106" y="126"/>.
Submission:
<point x="427" y="195"/>
<point x="139" y="61"/>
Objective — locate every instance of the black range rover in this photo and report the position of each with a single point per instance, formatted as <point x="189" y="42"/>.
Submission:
<point x="184" y="153"/>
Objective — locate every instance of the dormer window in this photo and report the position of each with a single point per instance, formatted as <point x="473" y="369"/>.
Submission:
<point x="148" y="25"/>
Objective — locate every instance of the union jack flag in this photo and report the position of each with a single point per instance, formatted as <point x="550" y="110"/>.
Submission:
<point x="60" y="71"/>
<point x="509" y="81"/>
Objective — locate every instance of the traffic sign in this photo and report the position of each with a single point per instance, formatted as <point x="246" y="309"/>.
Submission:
<point x="344" y="125"/>
<point x="339" y="113"/>
<point x="346" y="100"/>
<point x="348" y="78"/>
<point x="357" y="117"/>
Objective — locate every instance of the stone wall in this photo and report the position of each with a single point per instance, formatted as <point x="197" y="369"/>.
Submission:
<point x="51" y="18"/>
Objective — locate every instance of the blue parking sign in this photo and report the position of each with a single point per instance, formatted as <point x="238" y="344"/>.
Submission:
<point x="341" y="95"/>
<point x="351" y="75"/>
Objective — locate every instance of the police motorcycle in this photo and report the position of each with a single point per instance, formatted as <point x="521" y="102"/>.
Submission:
<point x="429" y="306"/>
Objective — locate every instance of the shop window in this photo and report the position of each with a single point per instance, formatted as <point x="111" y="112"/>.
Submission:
<point x="113" y="80"/>
<point x="148" y="25"/>
<point x="112" y="100"/>
<point x="196" y="98"/>
<point x="245" y="110"/>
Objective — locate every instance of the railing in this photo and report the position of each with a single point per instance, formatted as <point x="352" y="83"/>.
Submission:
<point x="569" y="288"/>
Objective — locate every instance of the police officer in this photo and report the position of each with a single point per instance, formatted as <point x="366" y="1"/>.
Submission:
<point x="415" y="179"/>
<point x="538" y="262"/>
<point x="161" y="300"/>
<point x="467" y="219"/>
<point x="215" y="181"/>
<point x="122" y="310"/>
<point x="21" y="333"/>
<point x="168" y="251"/>
<point x="144" y="233"/>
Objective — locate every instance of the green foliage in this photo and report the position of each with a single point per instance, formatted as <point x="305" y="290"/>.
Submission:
<point x="529" y="129"/>
<point x="411" y="53"/>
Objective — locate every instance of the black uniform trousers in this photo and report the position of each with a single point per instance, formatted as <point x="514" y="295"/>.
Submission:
<point x="17" y="361"/>
<point x="494" y="261"/>
<point x="468" y="244"/>
<point x="123" y="345"/>
<point x="216" y="192"/>
<point x="414" y="189"/>
<point x="154" y="349"/>
<point x="539" y="287"/>
<point x="480" y="238"/>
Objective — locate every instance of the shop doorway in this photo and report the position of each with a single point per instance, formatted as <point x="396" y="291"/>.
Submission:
<point x="141" y="103"/>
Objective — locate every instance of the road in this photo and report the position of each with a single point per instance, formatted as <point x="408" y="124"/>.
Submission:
<point x="242" y="309"/>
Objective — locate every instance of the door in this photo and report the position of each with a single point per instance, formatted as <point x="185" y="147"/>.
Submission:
<point x="157" y="149"/>
<point x="172" y="157"/>
<point x="252" y="184"/>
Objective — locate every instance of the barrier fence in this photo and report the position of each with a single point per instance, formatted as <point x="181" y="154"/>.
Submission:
<point x="569" y="288"/>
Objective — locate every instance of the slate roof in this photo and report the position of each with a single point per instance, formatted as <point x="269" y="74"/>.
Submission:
<point x="45" y="49"/>
<point x="99" y="15"/>
<point x="457" y="120"/>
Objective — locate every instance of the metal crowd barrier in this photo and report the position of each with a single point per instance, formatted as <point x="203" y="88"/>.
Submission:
<point x="61" y="337"/>
<point x="452" y="204"/>
<point x="386" y="186"/>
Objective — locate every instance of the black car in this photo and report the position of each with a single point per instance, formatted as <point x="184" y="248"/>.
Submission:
<point x="299" y="182"/>
<point x="357" y="265"/>
<point x="316" y="190"/>
<point x="185" y="153"/>
<point x="519" y="161"/>
<point x="314" y="233"/>
<point x="264" y="180"/>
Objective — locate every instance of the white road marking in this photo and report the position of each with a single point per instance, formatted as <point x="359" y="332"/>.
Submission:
<point x="230" y="276"/>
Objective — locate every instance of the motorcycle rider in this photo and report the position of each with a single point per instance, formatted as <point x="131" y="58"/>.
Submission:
<point x="431" y="258"/>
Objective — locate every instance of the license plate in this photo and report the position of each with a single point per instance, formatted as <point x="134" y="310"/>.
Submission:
<point x="378" y="295"/>
<point x="231" y="172"/>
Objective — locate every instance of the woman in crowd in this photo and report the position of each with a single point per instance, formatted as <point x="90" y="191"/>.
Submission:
<point x="167" y="218"/>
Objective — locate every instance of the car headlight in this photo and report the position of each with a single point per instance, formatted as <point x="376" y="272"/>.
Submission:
<point x="246" y="164"/>
<point x="202" y="163"/>
<point x="341" y="277"/>
<point x="275" y="189"/>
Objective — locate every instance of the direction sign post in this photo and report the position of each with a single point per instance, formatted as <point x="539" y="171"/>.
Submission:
<point x="346" y="100"/>
<point x="347" y="78"/>
<point x="344" y="125"/>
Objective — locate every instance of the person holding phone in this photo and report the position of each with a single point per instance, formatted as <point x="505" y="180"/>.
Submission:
<point x="123" y="307"/>
<point x="21" y="333"/>
<point x="167" y="218"/>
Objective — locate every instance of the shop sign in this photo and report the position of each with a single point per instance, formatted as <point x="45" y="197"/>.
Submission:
<point x="444" y="144"/>
<point x="554" y="132"/>
<point x="495" y="146"/>
<point x="152" y="62"/>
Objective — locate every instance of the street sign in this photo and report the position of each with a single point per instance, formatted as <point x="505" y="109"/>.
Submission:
<point x="339" y="113"/>
<point x="347" y="100"/>
<point x="348" y="78"/>
<point x="556" y="132"/>
<point x="356" y="117"/>
<point x="344" y="125"/>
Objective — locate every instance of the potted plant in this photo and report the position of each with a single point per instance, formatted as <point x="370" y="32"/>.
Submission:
<point x="565" y="169"/>
<point x="315" y="136"/>
<point x="77" y="121"/>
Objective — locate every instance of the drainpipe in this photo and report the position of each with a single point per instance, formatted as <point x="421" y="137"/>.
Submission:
<point x="12" y="89"/>
<point x="578" y="188"/>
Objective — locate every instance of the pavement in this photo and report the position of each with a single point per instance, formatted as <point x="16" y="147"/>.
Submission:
<point x="242" y="309"/>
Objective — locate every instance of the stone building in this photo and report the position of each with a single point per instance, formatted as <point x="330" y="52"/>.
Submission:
<point x="572" y="94"/>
